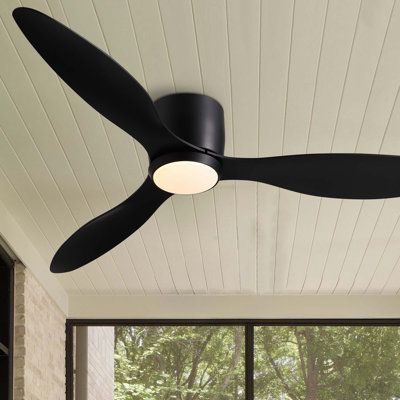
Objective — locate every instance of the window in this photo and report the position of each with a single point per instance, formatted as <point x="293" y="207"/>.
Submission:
<point x="179" y="362"/>
<point x="234" y="360"/>
<point x="327" y="362"/>
<point x="6" y="324"/>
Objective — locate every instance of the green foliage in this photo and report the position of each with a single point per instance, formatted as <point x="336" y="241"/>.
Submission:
<point x="182" y="363"/>
<point x="327" y="363"/>
<point x="296" y="363"/>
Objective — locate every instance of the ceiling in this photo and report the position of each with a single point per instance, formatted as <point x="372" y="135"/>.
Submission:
<point x="293" y="76"/>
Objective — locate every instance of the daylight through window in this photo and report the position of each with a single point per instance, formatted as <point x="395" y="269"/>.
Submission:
<point x="236" y="362"/>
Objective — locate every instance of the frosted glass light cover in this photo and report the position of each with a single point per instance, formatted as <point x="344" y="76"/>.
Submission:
<point x="185" y="177"/>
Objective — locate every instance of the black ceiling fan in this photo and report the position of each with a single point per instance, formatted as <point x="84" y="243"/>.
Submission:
<point x="183" y="135"/>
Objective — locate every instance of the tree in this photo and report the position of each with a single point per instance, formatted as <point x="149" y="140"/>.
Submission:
<point x="179" y="362"/>
<point x="291" y="363"/>
<point x="327" y="363"/>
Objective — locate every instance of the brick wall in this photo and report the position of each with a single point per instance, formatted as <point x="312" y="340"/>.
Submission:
<point x="100" y="380"/>
<point x="39" y="340"/>
<point x="94" y="363"/>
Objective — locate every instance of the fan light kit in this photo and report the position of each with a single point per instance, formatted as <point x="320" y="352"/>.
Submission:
<point x="184" y="137"/>
<point x="184" y="177"/>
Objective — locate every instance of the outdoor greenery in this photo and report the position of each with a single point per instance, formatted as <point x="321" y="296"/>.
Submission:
<point x="327" y="363"/>
<point x="183" y="363"/>
<point x="296" y="363"/>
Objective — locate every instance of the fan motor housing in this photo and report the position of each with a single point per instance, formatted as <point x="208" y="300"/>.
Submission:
<point x="195" y="118"/>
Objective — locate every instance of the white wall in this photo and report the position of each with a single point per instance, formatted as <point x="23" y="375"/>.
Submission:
<point x="241" y="306"/>
<point x="39" y="341"/>
<point x="100" y="358"/>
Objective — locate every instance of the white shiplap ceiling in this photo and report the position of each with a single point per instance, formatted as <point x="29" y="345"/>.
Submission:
<point x="294" y="76"/>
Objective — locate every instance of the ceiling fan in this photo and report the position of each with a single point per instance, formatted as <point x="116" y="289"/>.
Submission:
<point x="184" y="136"/>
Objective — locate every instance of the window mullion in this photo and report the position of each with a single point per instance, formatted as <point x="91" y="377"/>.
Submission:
<point x="249" y="361"/>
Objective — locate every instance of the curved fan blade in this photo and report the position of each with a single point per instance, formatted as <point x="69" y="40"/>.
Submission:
<point x="109" y="229"/>
<point x="346" y="176"/>
<point x="99" y="80"/>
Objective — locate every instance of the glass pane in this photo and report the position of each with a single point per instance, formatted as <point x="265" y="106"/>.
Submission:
<point x="327" y="363"/>
<point x="179" y="362"/>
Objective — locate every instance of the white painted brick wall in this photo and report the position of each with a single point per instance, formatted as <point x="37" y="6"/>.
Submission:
<point x="39" y="340"/>
<point x="100" y="379"/>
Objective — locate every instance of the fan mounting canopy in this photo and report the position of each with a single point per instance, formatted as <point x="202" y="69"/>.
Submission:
<point x="195" y="118"/>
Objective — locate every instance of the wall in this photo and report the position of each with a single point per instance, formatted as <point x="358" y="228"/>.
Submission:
<point x="100" y="363"/>
<point x="234" y="306"/>
<point x="94" y="363"/>
<point x="19" y="242"/>
<point x="39" y="340"/>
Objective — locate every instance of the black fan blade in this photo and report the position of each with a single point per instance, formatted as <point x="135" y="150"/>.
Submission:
<point x="345" y="176"/>
<point x="109" y="229"/>
<point x="99" y="80"/>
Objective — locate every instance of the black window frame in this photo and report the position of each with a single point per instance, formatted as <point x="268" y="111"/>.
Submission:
<point x="8" y="264"/>
<point x="248" y="324"/>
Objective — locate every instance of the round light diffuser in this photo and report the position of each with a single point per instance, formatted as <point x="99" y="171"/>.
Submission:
<point x="185" y="173"/>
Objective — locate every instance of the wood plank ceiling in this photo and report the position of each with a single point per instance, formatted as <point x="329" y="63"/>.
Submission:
<point x="294" y="76"/>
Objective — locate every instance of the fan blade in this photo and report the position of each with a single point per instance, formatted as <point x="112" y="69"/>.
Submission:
<point x="109" y="229"/>
<point x="346" y="176"/>
<point x="99" y="80"/>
